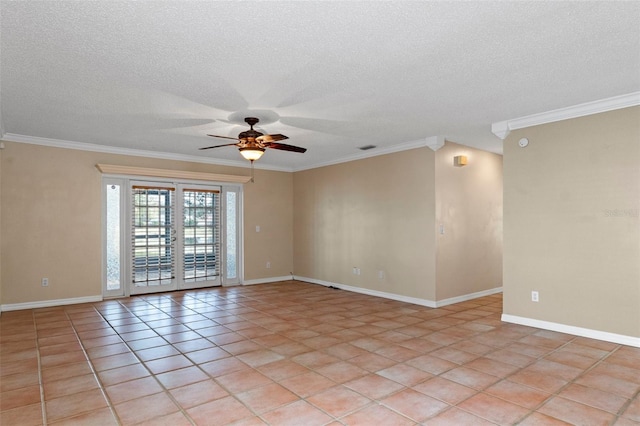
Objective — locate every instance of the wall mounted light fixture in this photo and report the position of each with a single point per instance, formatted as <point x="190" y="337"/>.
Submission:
<point x="460" y="160"/>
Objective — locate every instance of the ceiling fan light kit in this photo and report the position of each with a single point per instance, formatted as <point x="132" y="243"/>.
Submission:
<point x="252" y="154"/>
<point x="253" y="143"/>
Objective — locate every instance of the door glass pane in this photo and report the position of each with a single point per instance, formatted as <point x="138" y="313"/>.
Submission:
<point x="153" y="236"/>
<point x="113" y="236"/>
<point x="231" y="234"/>
<point x="201" y="235"/>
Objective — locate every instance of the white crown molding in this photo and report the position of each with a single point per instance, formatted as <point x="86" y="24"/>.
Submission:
<point x="1" y="122"/>
<point x="82" y="146"/>
<point x="435" y="142"/>
<point x="502" y="128"/>
<point x="367" y="154"/>
<point x="577" y="331"/>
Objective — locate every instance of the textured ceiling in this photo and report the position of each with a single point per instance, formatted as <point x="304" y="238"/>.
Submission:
<point x="333" y="76"/>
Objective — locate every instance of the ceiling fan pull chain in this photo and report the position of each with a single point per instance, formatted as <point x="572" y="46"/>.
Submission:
<point x="252" y="181"/>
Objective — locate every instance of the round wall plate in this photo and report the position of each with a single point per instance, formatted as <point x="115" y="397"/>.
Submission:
<point x="523" y="142"/>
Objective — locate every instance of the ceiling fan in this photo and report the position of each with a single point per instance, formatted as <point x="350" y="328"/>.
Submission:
<point x="252" y="143"/>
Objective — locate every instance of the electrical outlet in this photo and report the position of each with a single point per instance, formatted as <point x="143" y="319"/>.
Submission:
<point x="45" y="282"/>
<point x="268" y="265"/>
<point x="534" y="296"/>
<point x="381" y="275"/>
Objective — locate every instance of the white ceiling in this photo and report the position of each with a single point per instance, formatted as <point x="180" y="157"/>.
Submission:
<point x="333" y="76"/>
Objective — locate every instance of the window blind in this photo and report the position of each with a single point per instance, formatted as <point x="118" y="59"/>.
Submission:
<point x="153" y="235"/>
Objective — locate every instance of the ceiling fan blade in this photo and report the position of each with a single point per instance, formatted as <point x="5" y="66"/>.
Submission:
<point x="218" y="146"/>
<point x="285" y="147"/>
<point x="223" y="137"/>
<point x="271" y="138"/>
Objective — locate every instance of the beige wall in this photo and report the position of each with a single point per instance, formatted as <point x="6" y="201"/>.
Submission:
<point x="383" y="214"/>
<point x="469" y="208"/>
<point x="572" y="230"/>
<point x="1" y="149"/>
<point x="376" y="214"/>
<point x="268" y="203"/>
<point x="51" y="220"/>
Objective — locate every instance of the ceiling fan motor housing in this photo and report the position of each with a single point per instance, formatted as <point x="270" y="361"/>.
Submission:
<point x="251" y="121"/>
<point x="250" y="135"/>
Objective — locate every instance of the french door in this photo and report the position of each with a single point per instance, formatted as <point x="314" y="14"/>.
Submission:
<point x="176" y="236"/>
<point x="153" y="238"/>
<point x="199" y="239"/>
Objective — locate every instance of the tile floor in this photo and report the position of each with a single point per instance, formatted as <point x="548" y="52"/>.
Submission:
<point x="300" y="354"/>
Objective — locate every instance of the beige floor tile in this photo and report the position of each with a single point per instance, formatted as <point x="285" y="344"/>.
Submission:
<point x="307" y="384"/>
<point x="374" y="386"/>
<point x="594" y="397"/>
<point x="339" y="401"/>
<point x="123" y="374"/>
<point x="198" y="393"/>
<point x="26" y="415"/>
<point x="414" y="405"/>
<point x="455" y="416"/>
<point x="538" y="419"/>
<point x="102" y="417"/>
<point x="267" y="398"/>
<point x="243" y="380"/>
<point x="184" y="376"/>
<point x="58" y="388"/>
<point x="282" y="369"/>
<point x="225" y="410"/>
<point x="19" y="380"/>
<point x="173" y="419"/>
<point x="133" y="389"/>
<point x="291" y="415"/>
<point x="376" y="414"/>
<point x="162" y="365"/>
<point x="632" y="412"/>
<point x="575" y="413"/>
<point x="470" y="378"/>
<point x="493" y="409"/>
<point x="145" y="408"/>
<point x="75" y="404"/>
<point x="299" y="351"/>
<point x="19" y="397"/>
<point x="445" y="390"/>
<point x="518" y="394"/>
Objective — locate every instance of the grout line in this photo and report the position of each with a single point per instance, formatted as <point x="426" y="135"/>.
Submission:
<point x="238" y="303"/>
<point x="93" y="370"/>
<point x="152" y="374"/>
<point x="43" y="405"/>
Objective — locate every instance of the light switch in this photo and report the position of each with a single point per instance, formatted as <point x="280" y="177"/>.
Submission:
<point x="257" y="228"/>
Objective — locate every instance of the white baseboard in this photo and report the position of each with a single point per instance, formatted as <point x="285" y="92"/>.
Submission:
<point x="570" y="329"/>
<point x="408" y="299"/>
<point x="470" y="296"/>
<point x="267" y="280"/>
<point x="49" y="303"/>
